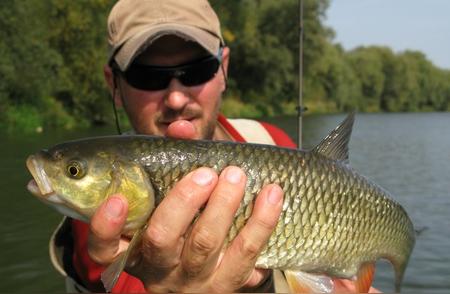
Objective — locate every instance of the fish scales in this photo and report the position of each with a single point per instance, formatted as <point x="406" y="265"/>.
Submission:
<point x="339" y="207"/>
<point x="333" y="219"/>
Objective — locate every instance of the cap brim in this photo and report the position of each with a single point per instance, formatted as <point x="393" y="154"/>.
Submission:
<point x="138" y="43"/>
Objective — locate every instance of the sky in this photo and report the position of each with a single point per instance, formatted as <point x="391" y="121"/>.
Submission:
<point x="422" y="25"/>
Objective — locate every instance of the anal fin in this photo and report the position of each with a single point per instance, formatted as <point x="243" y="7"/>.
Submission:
<point x="364" y="278"/>
<point x="301" y="282"/>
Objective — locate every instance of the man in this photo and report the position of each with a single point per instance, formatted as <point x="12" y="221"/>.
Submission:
<point x="168" y="69"/>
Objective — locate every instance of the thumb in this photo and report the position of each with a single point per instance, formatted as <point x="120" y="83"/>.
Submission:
<point x="105" y="230"/>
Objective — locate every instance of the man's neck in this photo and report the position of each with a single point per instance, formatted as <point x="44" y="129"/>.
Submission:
<point x="221" y="134"/>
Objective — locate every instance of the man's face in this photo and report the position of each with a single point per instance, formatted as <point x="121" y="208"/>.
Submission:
<point x="178" y="111"/>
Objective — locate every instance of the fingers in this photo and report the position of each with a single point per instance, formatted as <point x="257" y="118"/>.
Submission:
<point x="105" y="230"/>
<point x="179" y="255"/>
<point x="256" y="278"/>
<point x="238" y="263"/>
<point x="209" y="232"/>
<point x="175" y="214"/>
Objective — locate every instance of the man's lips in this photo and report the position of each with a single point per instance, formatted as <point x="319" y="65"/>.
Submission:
<point x="170" y="121"/>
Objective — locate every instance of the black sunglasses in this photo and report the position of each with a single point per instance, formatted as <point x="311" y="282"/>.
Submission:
<point x="153" y="78"/>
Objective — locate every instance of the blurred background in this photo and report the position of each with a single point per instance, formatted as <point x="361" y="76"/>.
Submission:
<point x="52" y="53"/>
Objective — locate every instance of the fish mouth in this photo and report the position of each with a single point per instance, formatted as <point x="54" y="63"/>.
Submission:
<point x="40" y="184"/>
<point x="40" y="187"/>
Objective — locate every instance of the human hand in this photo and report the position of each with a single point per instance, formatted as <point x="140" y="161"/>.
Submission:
<point x="177" y="255"/>
<point x="348" y="286"/>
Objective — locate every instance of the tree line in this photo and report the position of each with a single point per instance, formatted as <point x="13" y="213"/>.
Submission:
<point x="52" y="53"/>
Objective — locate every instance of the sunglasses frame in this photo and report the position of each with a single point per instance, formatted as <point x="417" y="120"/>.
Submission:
<point x="169" y="72"/>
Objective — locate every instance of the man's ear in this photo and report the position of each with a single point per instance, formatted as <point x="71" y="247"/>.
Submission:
<point x="111" y="79"/>
<point x="224" y="65"/>
<point x="225" y="59"/>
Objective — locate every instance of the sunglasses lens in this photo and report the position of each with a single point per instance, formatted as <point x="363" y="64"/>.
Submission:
<point x="153" y="78"/>
<point x="146" y="78"/>
<point x="200" y="73"/>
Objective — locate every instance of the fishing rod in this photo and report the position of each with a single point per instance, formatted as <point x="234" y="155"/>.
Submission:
<point x="300" y="108"/>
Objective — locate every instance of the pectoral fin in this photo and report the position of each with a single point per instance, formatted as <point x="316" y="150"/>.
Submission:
<point x="130" y="179"/>
<point x="110" y="276"/>
<point x="301" y="282"/>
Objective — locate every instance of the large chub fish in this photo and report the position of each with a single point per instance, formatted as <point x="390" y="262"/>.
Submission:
<point x="334" y="221"/>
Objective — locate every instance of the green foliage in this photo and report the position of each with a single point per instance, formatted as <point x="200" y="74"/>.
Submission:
<point x="368" y="67"/>
<point x="56" y="116"/>
<point x="22" y="117"/>
<point x="52" y="53"/>
<point x="26" y="62"/>
<point x="233" y="107"/>
<point x="405" y="81"/>
<point x="79" y="35"/>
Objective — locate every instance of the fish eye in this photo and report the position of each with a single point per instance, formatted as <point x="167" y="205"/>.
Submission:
<point x="76" y="169"/>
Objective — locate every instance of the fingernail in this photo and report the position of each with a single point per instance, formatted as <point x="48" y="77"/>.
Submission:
<point x="233" y="175"/>
<point x="274" y="195"/>
<point x="202" y="177"/>
<point x="114" y="207"/>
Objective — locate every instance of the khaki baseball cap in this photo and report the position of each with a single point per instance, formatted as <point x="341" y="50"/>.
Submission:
<point x="134" y="24"/>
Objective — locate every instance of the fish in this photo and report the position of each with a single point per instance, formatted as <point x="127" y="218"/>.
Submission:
<point x="335" y="223"/>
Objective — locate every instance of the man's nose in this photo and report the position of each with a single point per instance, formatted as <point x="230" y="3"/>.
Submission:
<point x="177" y="95"/>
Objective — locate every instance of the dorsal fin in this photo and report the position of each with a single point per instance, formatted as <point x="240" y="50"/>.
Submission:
<point x="335" y="145"/>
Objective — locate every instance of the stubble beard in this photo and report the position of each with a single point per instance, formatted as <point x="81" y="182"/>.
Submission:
<point x="205" y="131"/>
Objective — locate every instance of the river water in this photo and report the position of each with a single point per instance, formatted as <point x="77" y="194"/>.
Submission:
<point x="408" y="154"/>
